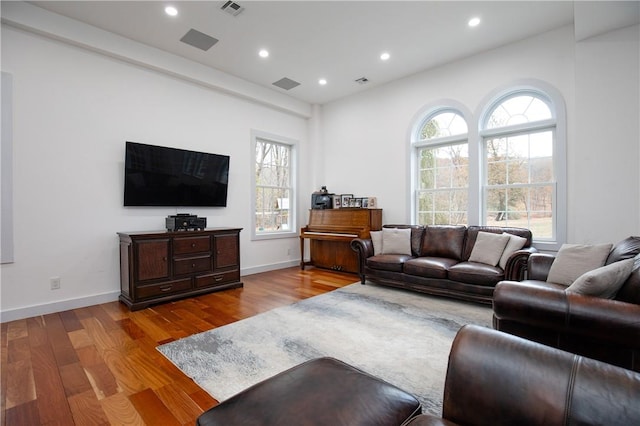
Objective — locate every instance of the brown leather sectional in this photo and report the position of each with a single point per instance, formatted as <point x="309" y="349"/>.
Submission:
<point x="439" y="262"/>
<point x="603" y="329"/>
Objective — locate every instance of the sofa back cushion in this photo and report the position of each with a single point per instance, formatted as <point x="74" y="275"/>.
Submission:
<point x="625" y="249"/>
<point x="444" y="241"/>
<point x="417" y="232"/>
<point x="472" y="234"/>
<point x="630" y="290"/>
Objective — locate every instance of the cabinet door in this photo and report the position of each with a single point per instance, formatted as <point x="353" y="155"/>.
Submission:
<point x="152" y="259"/>
<point x="227" y="253"/>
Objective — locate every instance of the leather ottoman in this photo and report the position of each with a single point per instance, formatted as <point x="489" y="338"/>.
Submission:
<point x="323" y="391"/>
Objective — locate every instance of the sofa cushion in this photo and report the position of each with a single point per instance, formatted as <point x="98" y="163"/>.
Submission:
<point x="488" y="248"/>
<point x="443" y="241"/>
<point x="515" y="243"/>
<point x="396" y="241"/>
<point x="602" y="282"/>
<point x="376" y="240"/>
<point x="476" y="273"/>
<point x="429" y="267"/>
<point x="387" y="262"/>
<point x="574" y="260"/>
<point x="625" y="249"/>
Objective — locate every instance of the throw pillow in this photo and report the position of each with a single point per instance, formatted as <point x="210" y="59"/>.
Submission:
<point x="603" y="282"/>
<point x="574" y="260"/>
<point x="488" y="248"/>
<point x="515" y="243"/>
<point x="396" y="241"/>
<point x="376" y="240"/>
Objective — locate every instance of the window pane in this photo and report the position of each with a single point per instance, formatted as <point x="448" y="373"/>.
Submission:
<point x="517" y="110"/>
<point x="442" y="125"/>
<point x="273" y="191"/>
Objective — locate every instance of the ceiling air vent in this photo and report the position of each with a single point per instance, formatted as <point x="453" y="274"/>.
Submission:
<point x="232" y="8"/>
<point x="362" y="80"/>
<point x="286" y="83"/>
<point x="197" y="39"/>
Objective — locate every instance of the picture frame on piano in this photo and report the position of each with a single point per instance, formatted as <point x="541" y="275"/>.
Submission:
<point x="337" y="201"/>
<point x="345" y="199"/>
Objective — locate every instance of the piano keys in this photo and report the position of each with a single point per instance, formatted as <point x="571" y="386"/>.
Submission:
<point x="330" y="232"/>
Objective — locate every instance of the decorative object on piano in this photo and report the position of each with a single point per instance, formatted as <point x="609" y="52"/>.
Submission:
<point x="337" y="201"/>
<point x="371" y="203"/>
<point x="322" y="199"/>
<point x="344" y="200"/>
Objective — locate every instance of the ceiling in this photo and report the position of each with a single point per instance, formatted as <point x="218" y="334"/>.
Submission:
<point x="340" y="41"/>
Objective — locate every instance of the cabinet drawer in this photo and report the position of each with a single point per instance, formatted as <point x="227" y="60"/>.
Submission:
<point x="162" y="289"/>
<point x="217" y="279"/>
<point x="186" y="245"/>
<point x="190" y="265"/>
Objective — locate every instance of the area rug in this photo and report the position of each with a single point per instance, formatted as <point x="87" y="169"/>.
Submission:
<point x="400" y="336"/>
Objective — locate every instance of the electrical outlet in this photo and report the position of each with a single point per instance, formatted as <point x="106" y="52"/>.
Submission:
<point x="55" y="283"/>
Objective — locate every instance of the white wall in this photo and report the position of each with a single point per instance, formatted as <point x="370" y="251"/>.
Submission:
<point x="73" y="111"/>
<point x="605" y="199"/>
<point x="366" y="136"/>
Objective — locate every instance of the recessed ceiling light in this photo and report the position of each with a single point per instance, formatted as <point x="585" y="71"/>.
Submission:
<point x="322" y="82"/>
<point x="385" y="56"/>
<point x="171" y="11"/>
<point x="474" y="22"/>
<point x="263" y="53"/>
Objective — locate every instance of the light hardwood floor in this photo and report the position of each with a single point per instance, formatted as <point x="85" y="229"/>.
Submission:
<point x="99" y="365"/>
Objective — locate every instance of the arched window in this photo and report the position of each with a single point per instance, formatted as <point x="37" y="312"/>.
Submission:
<point x="441" y="168"/>
<point x="520" y="168"/>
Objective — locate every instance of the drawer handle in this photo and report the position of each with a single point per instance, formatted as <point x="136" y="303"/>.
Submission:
<point x="193" y="265"/>
<point x="193" y="245"/>
<point x="218" y="278"/>
<point x="166" y="288"/>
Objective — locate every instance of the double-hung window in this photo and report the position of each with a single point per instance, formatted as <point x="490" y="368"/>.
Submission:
<point x="519" y="174"/>
<point x="274" y="186"/>
<point x="441" y="165"/>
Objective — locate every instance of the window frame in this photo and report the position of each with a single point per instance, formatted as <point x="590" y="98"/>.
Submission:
<point x="425" y="115"/>
<point x="556" y="124"/>
<point x="475" y="137"/>
<point x="257" y="137"/>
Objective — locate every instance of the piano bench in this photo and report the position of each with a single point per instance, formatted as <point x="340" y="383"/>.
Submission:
<point x="323" y="391"/>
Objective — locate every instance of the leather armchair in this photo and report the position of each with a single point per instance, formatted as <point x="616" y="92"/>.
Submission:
<point x="604" y="329"/>
<point x="495" y="378"/>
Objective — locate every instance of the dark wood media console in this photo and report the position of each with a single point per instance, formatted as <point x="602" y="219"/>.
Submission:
<point x="161" y="266"/>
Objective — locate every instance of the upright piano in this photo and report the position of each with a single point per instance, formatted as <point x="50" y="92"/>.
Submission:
<point x="330" y="232"/>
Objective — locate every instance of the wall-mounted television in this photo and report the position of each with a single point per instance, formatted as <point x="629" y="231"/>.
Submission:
<point x="172" y="177"/>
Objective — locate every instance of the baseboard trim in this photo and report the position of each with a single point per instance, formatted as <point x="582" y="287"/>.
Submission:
<point x="57" y="306"/>
<point x="82" y="302"/>
<point x="269" y="267"/>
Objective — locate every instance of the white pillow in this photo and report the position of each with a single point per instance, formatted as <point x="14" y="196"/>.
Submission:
<point x="574" y="260"/>
<point x="396" y="241"/>
<point x="515" y="243"/>
<point x="488" y="248"/>
<point x="376" y="240"/>
<point x="603" y="282"/>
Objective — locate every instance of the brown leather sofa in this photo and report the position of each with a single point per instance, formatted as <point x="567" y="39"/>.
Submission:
<point x="604" y="329"/>
<point x="498" y="379"/>
<point x="439" y="262"/>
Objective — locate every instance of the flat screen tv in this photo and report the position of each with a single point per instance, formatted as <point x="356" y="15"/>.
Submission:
<point x="172" y="177"/>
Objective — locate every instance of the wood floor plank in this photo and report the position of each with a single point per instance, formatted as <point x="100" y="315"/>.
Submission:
<point x="100" y="364"/>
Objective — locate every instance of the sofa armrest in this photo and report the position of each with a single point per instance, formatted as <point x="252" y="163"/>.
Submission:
<point x="364" y="249"/>
<point x="516" y="267"/>
<point x="553" y="309"/>
<point x="505" y="380"/>
<point x="538" y="266"/>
